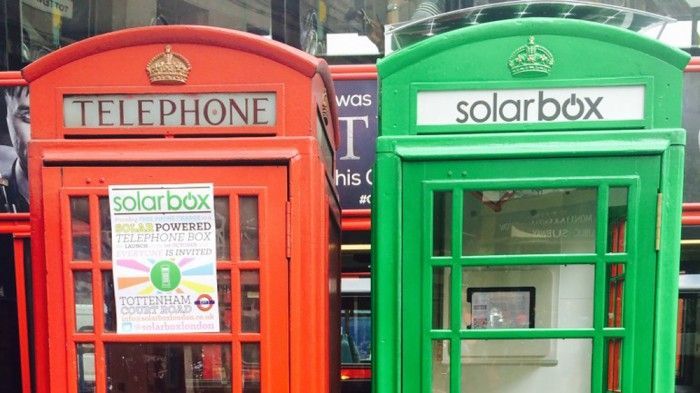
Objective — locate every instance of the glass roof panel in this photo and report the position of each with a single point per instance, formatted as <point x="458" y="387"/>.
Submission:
<point x="401" y="35"/>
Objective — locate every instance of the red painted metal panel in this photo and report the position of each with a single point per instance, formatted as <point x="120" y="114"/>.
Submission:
<point x="12" y="78"/>
<point x="220" y="60"/>
<point x="354" y="72"/>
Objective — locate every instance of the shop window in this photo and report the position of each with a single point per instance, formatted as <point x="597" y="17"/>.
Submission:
<point x="47" y="26"/>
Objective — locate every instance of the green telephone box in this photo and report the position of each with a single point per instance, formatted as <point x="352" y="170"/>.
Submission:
<point x="527" y="210"/>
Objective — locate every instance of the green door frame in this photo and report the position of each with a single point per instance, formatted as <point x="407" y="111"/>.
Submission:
<point x="402" y="331"/>
<point x="640" y="175"/>
<point x="392" y="280"/>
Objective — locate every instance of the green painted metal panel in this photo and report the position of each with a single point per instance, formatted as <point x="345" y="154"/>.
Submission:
<point x="477" y="57"/>
<point x="506" y="132"/>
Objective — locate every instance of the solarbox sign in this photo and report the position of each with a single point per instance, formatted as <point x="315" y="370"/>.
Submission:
<point x="161" y="200"/>
<point x="164" y="253"/>
<point x="545" y="105"/>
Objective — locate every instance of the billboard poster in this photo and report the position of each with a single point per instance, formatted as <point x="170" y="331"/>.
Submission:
<point x="357" y="115"/>
<point x="164" y="253"/>
<point x="15" y="133"/>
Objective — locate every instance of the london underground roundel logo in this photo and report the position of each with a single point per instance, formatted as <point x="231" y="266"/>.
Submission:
<point x="204" y="302"/>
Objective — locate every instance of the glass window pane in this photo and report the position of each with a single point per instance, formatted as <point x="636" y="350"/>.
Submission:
<point x="86" y="368"/>
<point x="223" y="232"/>
<point x="441" y="297"/>
<point x="250" y="301"/>
<point x="342" y="29"/>
<point x="529" y="221"/>
<point x="617" y="219"/>
<point x="166" y="367"/>
<point x="442" y="223"/>
<point x="527" y="296"/>
<point x="223" y="284"/>
<point x="356" y="328"/>
<point x="110" y="307"/>
<point x="616" y="284"/>
<point x="80" y="228"/>
<point x="441" y="366"/>
<point x="526" y="366"/>
<point x="614" y="359"/>
<point x="84" y="318"/>
<point x="105" y="229"/>
<point x="251" y="367"/>
<point x="248" y="207"/>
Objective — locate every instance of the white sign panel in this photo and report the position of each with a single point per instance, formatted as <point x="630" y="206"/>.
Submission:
<point x="473" y="107"/>
<point x="164" y="258"/>
<point x="170" y="110"/>
<point x="62" y="7"/>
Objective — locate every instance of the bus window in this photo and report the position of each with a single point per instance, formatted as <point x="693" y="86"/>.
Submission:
<point x="356" y="334"/>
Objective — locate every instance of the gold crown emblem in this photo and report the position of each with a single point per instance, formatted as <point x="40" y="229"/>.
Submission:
<point x="168" y="68"/>
<point x="531" y="60"/>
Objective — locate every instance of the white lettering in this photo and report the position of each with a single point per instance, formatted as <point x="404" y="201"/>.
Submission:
<point x="350" y="135"/>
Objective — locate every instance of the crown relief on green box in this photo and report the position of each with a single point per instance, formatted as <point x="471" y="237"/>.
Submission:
<point x="520" y="74"/>
<point x="531" y="60"/>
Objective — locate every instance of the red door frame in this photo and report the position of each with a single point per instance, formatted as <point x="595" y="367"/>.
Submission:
<point x="269" y="183"/>
<point x="309" y="296"/>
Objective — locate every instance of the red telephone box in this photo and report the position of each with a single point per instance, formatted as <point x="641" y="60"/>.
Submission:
<point x="187" y="105"/>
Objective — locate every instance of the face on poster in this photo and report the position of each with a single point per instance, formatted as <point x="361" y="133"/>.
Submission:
<point x="15" y="134"/>
<point x="164" y="253"/>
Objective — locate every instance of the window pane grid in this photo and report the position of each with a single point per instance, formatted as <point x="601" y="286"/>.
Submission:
<point x="98" y="266"/>
<point x="607" y="250"/>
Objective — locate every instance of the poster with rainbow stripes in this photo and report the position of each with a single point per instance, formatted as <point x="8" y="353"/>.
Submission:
<point x="164" y="258"/>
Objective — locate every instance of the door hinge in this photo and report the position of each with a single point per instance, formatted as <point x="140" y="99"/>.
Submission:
<point x="659" y="209"/>
<point x="289" y="228"/>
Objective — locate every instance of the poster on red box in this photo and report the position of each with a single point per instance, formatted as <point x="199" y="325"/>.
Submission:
<point x="164" y="258"/>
